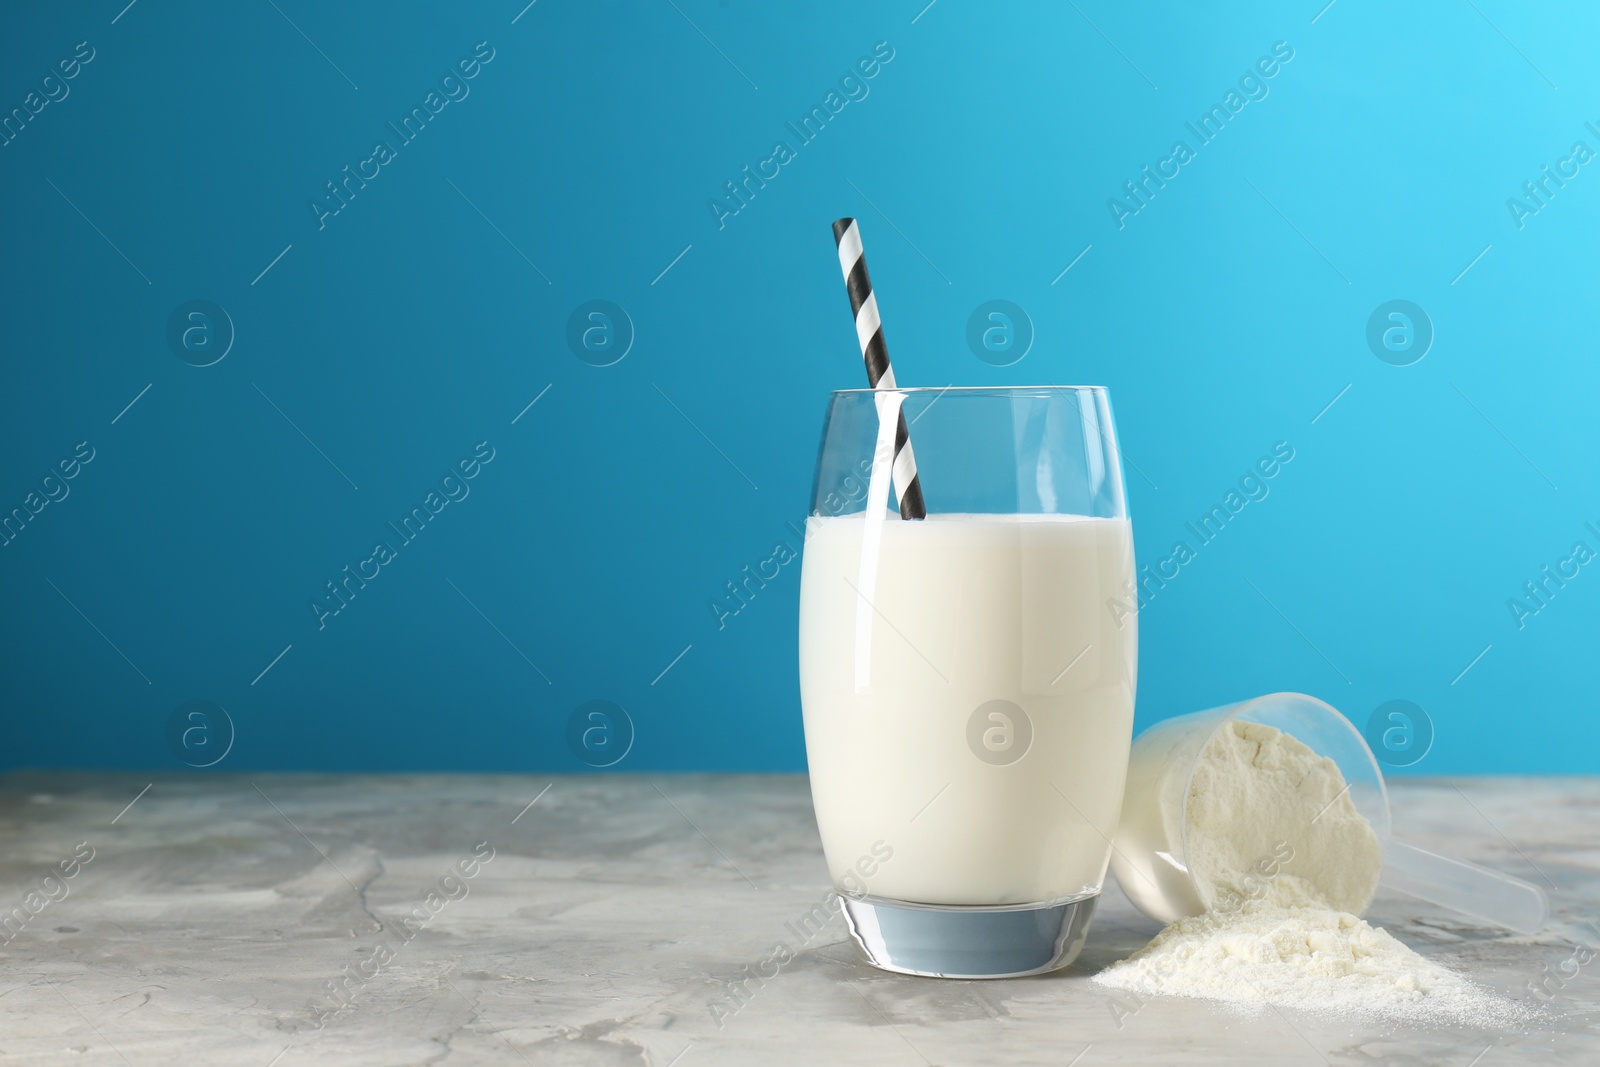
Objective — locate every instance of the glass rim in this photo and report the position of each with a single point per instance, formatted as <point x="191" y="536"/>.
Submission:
<point x="975" y="389"/>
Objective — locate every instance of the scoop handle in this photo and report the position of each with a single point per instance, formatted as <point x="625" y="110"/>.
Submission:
<point x="1495" y="898"/>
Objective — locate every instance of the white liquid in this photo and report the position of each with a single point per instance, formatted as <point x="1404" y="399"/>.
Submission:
<point x="967" y="609"/>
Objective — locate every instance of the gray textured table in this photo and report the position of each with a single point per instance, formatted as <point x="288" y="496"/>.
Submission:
<point x="288" y="921"/>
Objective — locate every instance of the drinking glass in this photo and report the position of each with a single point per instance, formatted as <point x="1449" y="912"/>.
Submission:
<point x="967" y="678"/>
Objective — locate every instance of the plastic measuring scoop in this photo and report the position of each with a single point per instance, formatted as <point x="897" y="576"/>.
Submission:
<point x="1149" y="857"/>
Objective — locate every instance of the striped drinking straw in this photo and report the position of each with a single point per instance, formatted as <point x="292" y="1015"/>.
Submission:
<point x="869" y="331"/>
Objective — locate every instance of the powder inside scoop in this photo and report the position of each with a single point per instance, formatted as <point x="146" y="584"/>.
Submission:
<point x="1269" y="819"/>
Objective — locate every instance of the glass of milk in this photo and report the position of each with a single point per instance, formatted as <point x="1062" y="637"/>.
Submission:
<point x="967" y="679"/>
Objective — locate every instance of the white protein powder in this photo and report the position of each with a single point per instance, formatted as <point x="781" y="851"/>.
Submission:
<point x="1282" y="858"/>
<point x="1267" y="818"/>
<point x="1311" y="958"/>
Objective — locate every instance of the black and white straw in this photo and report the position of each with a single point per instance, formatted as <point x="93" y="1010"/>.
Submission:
<point x="880" y="375"/>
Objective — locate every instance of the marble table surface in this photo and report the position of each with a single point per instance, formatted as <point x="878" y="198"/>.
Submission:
<point x="279" y="921"/>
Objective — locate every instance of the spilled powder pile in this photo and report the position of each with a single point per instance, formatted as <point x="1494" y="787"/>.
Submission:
<point x="1282" y="858"/>
<point x="1311" y="958"/>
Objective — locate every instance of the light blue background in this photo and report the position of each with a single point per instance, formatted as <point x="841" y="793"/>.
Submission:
<point x="1224" y="317"/>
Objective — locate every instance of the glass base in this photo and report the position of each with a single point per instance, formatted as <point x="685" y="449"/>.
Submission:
<point x="965" y="941"/>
